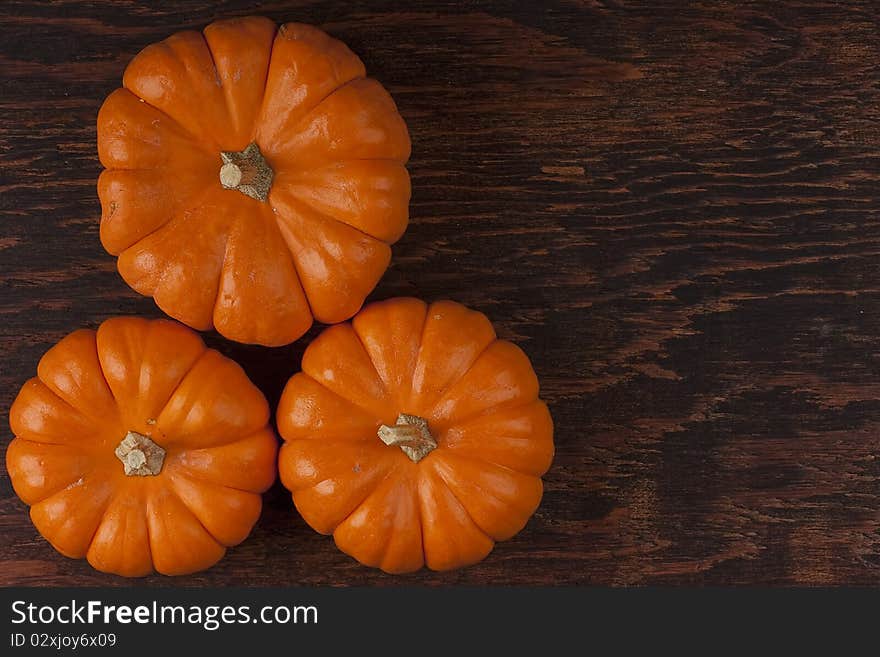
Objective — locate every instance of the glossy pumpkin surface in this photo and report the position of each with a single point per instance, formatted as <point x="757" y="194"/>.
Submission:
<point x="140" y="449"/>
<point x="254" y="178"/>
<point x="398" y="493"/>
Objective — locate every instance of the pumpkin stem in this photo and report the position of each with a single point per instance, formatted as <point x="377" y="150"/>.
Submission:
<point x="247" y="172"/>
<point x="411" y="434"/>
<point x="140" y="456"/>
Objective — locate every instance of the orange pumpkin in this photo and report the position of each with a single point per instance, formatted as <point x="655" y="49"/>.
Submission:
<point x="414" y="436"/>
<point x="254" y="178"/>
<point x="138" y="448"/>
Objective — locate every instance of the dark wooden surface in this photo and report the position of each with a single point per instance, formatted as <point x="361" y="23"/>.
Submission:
<point x="673" y="207"/>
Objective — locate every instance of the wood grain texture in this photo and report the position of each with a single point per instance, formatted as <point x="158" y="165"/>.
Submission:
<point x="672" y="207"/>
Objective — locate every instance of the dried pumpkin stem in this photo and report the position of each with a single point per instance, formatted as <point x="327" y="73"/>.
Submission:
<point x="140" y="456"/>
<point x="411" y="434"/>
<point x="247" y="172"/>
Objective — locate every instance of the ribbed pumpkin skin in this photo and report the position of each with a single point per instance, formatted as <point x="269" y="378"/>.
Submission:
<point x="158" y="379"/>
<point x="258" y="272"/>
<point x="479" y="395"/>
